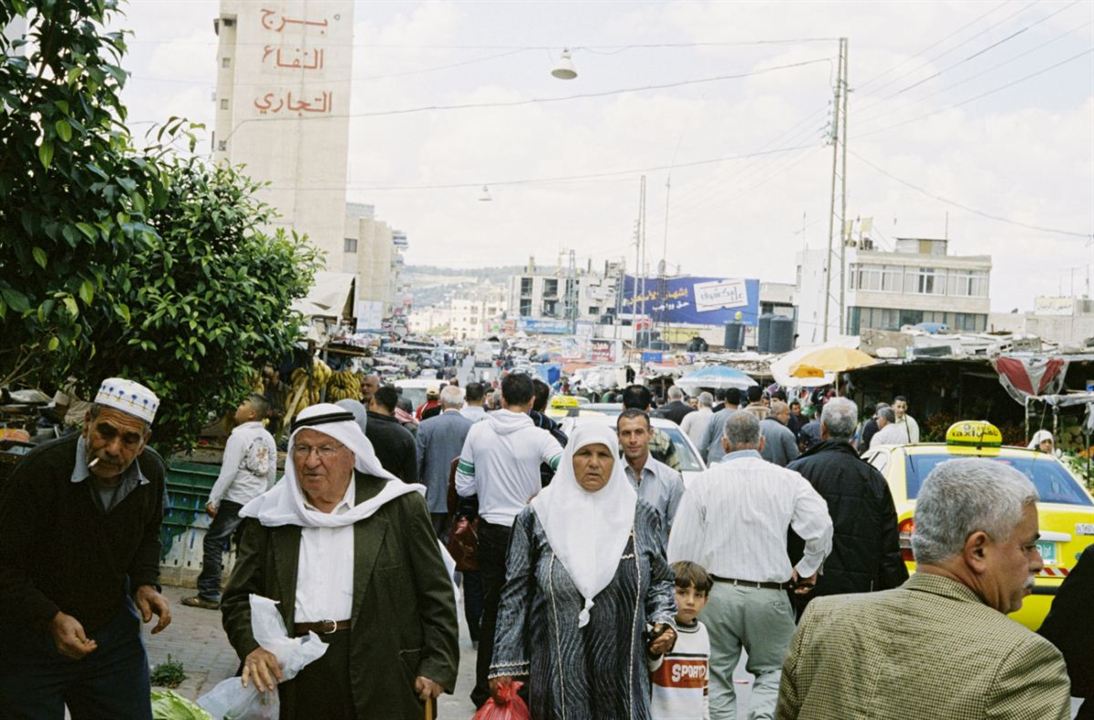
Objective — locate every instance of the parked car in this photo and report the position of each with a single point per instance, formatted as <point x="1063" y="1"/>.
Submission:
<point x="1065" y="508"/>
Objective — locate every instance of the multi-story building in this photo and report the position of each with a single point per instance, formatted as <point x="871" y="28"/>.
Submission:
<point x="916" y="282"/>
<point x="430" y="320"/>
<point x="577" y="296"/>
<point x="282" y="109"/>
<point x="1063" y="320"/>
<point x="472" y="318"/>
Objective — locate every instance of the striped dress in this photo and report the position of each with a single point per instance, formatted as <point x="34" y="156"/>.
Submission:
<point x="598" y="671"/>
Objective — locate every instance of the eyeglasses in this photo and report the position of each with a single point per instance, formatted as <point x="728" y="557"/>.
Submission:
<point x="325" y="452"/>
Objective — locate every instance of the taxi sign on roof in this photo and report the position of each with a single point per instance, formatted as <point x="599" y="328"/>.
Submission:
<point x="978" y="433"/>
<point x="564" y="401"/>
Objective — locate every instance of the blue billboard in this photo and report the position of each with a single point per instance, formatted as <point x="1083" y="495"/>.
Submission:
<point x="692" y="300"/>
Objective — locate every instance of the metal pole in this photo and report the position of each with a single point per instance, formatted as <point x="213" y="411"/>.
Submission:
<point x="844" y="231"/>
<point x="832" y="200"/>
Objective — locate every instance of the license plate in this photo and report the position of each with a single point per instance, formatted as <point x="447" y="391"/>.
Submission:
<point x="1048" y="551"/>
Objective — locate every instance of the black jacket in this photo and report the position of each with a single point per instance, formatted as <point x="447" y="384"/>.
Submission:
<point x="394" y="446"/>
<point x="1069" y="627"/>
<point x="865" y="541"/>
<point x="675" y="411"/>
<point x="60" y="551"/>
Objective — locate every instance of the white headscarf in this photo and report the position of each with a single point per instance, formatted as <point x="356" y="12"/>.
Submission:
<point x="1039" y="437"/>
<point x="283" y="504"/>
<point x="588" y="531"/>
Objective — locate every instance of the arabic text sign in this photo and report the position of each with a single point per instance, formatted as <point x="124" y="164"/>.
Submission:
<point x="720" y="294"/>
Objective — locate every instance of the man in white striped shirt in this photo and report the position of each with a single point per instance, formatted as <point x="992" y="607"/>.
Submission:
<point x="733" y="521"/>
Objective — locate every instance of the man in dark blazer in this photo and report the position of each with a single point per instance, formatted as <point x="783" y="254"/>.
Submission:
<point x="1069" y="627"/>
<point x="393" y="443"/>
<point x="349" y="552"/>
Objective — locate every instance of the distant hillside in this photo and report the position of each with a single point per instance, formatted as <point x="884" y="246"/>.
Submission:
<point x="431" y="285"/>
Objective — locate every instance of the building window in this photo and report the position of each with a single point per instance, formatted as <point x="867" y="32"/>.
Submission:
<point x="226" y="62"/>
<point x="224" y="103"/>
<point x="526" y="286"/>
<point x="350" y="245"/>
<point x="525" y="307"/>
<point x="594" y="310"/>
<point x="550" y="288"/>
<point x="222" y="145"/>
<point x="892" y="277"/>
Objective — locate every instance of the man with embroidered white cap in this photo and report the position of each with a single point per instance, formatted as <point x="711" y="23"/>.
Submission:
<point x="348" y="551"/>
<point x="79" y="565"/>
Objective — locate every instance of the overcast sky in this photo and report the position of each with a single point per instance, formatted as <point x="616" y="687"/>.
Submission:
<point x="1023" y="153"/>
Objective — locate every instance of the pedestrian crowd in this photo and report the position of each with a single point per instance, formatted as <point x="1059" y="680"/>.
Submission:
<point x="599" y="580"/>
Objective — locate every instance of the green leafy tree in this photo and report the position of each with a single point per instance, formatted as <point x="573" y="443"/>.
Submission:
<point x="115" y="261"/>
<point x="74" y="196"/>
<point x="207" y="298"/>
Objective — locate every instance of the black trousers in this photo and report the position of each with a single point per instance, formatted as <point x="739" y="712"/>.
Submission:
<point x="493" y="548"/>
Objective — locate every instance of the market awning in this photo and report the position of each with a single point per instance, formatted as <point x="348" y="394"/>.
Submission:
<point x="330" y="296"/>
<point x="1026" y="375"/>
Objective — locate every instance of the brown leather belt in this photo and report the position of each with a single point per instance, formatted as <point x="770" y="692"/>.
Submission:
<point x="753" y="583"/>
<point x="323" y="627"/>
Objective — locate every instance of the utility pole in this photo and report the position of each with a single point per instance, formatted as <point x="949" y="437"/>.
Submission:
<point x="642" y="244"/>
<point x="834" y="138"/>
<point x="843" y="203"/>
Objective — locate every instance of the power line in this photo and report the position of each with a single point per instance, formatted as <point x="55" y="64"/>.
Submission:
<point x="980" y="52"/>
<point x="981" y="213"/>
<point x="535" y="101"/>
<point x="970" y="78"/>
<point x="553" y="179"/>
<point x="981" y="95"/>
<point x="932" y="46"/>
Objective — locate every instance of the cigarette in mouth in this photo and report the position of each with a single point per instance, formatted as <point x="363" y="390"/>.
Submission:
<point x="93" y="463"/>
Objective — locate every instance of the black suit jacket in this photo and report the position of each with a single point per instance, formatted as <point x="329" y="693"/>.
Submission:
<point x="1070" y="627"/>
<point x="394" y="446"/>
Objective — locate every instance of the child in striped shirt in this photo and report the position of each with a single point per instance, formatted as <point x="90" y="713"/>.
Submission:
<point x="679" y="678"/>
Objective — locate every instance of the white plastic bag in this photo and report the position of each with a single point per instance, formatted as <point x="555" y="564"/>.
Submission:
<point x="229" y="700"/>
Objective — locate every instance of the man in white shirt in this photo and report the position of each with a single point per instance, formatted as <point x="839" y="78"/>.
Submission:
<point x="500" y="464"/>
<point x="889" y="432"/>
<point x="695" y="424"/>
<point x="904" y="421"/>
<point x="656" y="483"/>
<point x="733" y="521"/>
<point x="473" y="398"/>
<point x="248" y="469"/>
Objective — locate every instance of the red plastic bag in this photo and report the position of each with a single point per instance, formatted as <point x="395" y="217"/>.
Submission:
<point x="507" y="706"/>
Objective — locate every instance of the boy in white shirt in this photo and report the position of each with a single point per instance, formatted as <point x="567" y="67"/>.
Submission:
<point x="679" y="678"/>
<point x="249" y="469"/>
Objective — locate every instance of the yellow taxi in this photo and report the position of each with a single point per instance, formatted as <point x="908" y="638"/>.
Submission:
<point x="1065" y="508"/>
<point x="560" y="406"/>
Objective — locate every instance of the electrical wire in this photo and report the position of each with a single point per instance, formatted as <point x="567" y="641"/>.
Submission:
<point x="549" y="179"/>
<point x="966" y="208"/>
<point x="1022" y="79"/>
<point x="860" y="112"/>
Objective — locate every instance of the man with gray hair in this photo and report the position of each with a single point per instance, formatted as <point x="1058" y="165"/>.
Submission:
<point x="865" y="540"/>
<point x="941" y="640"/>
<point x="889" y="433"/>
<point x="675" y="409"/>
<point x="733" y="521"/>
<point x="695" y="424"/>
<point x="439" y="442"/>
<point x="780" y="445"/>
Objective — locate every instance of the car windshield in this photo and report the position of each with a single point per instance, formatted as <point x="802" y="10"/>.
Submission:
<point x="688" y="461"/>
<point x="1054" y="484"/>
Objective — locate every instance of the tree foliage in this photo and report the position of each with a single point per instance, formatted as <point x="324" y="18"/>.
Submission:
<point x="74" y="196"/>
<point x="208" y="296"/>
<point x="115" y="261"/>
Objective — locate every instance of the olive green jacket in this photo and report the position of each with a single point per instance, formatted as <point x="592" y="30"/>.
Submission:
<point x="927" y="650"/>
<point x="404" y="608"/>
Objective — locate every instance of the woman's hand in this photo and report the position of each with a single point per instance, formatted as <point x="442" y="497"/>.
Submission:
<point x="496" y="684"/>
<point x="664" y="638"/>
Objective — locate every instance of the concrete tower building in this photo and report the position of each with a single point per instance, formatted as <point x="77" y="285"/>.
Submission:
<point x="282" y="109"/>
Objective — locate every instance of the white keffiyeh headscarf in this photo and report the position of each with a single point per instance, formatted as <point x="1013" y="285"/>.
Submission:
<point x="283" y="504"/>
<point x="588" y="531"/>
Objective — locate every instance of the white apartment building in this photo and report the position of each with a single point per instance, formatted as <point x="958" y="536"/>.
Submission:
<point x="916" y="282"/>
<point x="1067" y="320"/>
<point x="472" y="318"/>
<point x="373" y="251"/>
<point x="431" y="319"/>
<point x="584" y="297"/>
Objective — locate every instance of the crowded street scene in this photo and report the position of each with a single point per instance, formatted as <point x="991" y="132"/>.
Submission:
<point x="647" y="360"/>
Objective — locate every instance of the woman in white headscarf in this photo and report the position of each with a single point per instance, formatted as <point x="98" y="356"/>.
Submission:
<point x="1043" y="441"/>
<point x="587" y="592"/>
